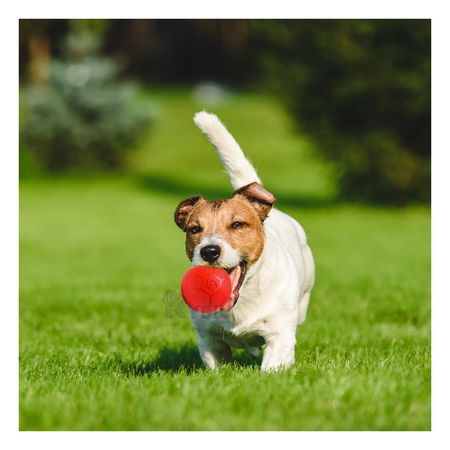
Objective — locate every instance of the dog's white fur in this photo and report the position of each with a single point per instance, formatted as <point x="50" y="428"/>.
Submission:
<point x="275" y="294"/>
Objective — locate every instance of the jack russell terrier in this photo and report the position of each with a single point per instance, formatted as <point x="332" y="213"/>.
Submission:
<point x="265" y="253"/>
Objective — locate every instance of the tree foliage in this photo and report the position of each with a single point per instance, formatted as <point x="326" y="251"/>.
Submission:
<point x="83" y="115"/>
<point x="361" y="89"/>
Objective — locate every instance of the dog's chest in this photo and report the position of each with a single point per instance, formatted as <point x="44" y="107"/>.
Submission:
<point x="242" y="340"/>
<point x="236" y="333"/>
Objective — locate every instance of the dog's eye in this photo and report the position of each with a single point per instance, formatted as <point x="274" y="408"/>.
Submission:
<point x="195" y="229"/>
<point x="238" y="224"/>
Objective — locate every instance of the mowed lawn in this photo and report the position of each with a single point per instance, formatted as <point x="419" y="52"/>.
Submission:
<point x="105" y="343"/>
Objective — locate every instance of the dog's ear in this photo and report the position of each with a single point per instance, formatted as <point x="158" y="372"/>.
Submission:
<point x="261" y="199"/>
<point x="184" y="209"/>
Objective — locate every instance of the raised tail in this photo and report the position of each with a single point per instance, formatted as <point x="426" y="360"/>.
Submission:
<point x="238" y="167"/>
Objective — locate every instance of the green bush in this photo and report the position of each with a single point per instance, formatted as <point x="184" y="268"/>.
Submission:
<point x="83" y="116"/>
<point x="361" y="89"/>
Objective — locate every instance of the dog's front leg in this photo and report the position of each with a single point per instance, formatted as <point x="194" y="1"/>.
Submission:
<point x="213" y="350"/>
<point x="279" y="352"/>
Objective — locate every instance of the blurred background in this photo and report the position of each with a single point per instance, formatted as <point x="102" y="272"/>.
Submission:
<point x="349" y="97"/>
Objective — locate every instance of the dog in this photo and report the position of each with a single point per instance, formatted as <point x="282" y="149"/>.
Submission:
<point x="265" y="252"/>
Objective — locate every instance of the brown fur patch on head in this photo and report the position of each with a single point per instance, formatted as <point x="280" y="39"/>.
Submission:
<point x="235" y="220"/>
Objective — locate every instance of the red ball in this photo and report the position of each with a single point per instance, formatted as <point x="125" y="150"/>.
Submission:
<point x="206" y="289"/>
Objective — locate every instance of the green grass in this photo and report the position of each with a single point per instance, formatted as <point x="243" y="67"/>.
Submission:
<point x="98" y="349"/>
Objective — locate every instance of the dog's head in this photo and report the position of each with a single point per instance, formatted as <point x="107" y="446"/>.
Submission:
<point x="226" y="233"/>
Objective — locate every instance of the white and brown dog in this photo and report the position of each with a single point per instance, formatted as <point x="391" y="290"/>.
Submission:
<point x="264" y="251"/>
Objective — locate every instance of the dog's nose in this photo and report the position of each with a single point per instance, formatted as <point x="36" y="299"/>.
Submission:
<point x="210" y="253"/>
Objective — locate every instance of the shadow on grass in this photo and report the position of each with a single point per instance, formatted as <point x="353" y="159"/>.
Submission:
<point x="183" y="189"/>
<point x="185" y="359"/>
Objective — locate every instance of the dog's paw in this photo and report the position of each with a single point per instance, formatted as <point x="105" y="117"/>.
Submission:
<point x="278" y="356"/>
<point x="276" y="366"/>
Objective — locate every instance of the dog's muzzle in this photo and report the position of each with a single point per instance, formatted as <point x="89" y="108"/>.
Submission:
<point x="210" y="253"/>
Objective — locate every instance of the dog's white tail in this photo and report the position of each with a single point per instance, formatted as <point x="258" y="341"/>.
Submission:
<point x="238" y="167"/>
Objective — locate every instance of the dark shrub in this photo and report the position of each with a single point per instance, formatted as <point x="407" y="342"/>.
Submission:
<point x="361" y="89"/>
